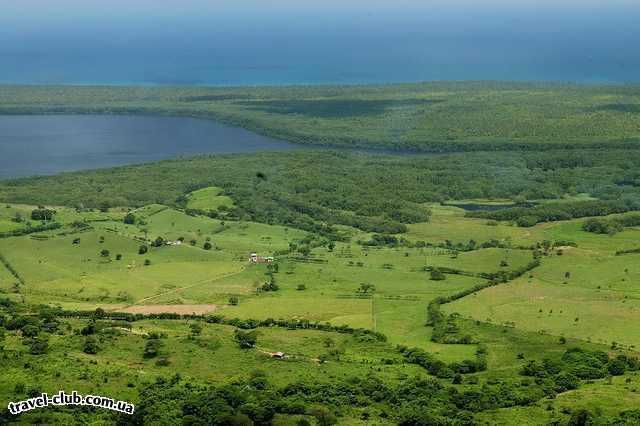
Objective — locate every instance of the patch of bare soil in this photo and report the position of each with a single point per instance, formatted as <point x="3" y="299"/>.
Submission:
<point x="174" y="309"/>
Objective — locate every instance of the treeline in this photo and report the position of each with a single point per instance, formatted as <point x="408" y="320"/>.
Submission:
<point x="30" y="230"/>
<point x="255" y="400"/>
<point x="444" y="327"/>
<point x="628" y="251"/>
<point x="611" y="226"/>
<point x="580" y="364"/>
<point x="440" y="368"/>
<point x="498" y="277"/>
<point x="11" y="269"/>
<point x="549" y="212"/>
<point x="412" y="401"/>
<point x="385" y="240"/>
<point x="246" y="324"/>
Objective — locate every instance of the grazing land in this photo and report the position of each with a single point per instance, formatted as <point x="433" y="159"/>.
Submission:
<point x="354" y="283"/>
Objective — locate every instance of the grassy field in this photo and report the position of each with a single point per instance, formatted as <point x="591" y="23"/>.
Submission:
<point x="587" y="292"/>
<point x="599" y="289"/>
<point x="185" y="257"/>
<point x="208" y="199"/>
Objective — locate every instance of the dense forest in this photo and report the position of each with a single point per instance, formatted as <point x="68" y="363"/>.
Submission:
<point x="432" y="117"/>
<point x="377" y="193"/>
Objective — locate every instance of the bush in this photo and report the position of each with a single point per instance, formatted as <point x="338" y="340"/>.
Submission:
<point x="30" y="330"/>
<point x="437" y="275"/>
<point x="152" y="348"/>
<point x="42" y="214"/>
<point x="90" y="345"/>
<point x="158" y="242"/>
<point x="246" y="339"/>
<point x="39" y="345"/>
<point x="270" y="286"/>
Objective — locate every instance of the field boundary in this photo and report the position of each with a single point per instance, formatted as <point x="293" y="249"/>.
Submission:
<point x="11" y="269"/>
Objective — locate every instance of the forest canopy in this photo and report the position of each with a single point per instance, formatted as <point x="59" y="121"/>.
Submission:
<point x="377" y="193"/>
<point x="427" y="117"/>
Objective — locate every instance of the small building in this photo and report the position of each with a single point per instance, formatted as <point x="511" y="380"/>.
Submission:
<point x="278" y="355"/>
<point x="254" y="258"/>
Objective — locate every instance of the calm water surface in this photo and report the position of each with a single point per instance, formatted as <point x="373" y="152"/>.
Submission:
<point x="37" y="145"/>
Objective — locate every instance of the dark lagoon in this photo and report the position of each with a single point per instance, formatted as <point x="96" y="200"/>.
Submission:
<point x="48" y="144"/>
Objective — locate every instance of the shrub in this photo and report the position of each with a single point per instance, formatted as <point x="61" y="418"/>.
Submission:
<point x="129" y="219"/>
<point x="30" y="330"/>
<point x="246" y="339"/>
<point x="90" y="345"/>
<point x="158" y="242"/>
<point x="152" y="348"/>
<point x="437" y="275"/>
<point x="39" y="345"/>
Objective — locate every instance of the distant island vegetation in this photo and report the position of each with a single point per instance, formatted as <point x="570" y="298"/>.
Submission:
<point x="423" y="117"/>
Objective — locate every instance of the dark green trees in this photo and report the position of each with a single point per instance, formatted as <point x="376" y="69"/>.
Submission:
<point x="246" y="339"/>
<point x="129" y="219"/>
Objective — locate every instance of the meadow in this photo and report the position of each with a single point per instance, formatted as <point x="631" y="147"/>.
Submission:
<point x="384" y="287"/>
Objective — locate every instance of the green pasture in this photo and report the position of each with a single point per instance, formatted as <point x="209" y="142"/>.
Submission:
<point x="211" y="356"/>
<point x="590" y="315"/>
<point x="585" y="294"/>
<point x="449" y="223"/>
<point x="208" y="199"/>
<point x="57" y="269"/>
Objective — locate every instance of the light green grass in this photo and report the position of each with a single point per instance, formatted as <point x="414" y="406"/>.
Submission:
<point x="208" y="199"/>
